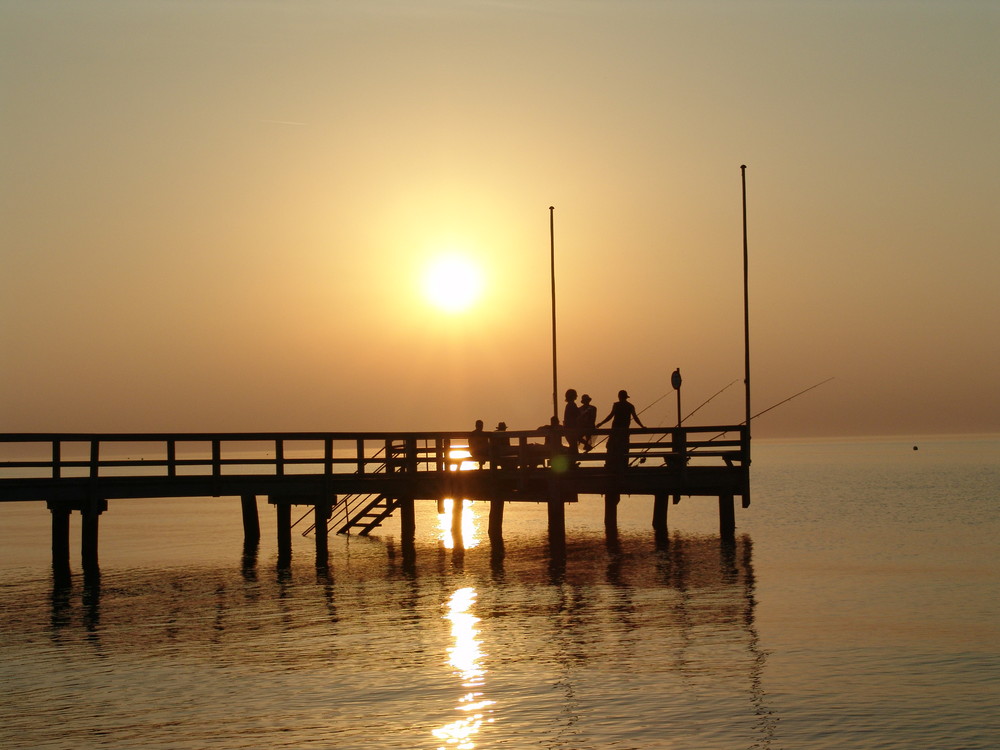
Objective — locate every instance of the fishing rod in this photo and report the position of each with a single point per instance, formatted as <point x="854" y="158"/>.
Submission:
<point x="775" y="406"/>
<point x="654" y="403"/>
<point x="785" y="401"/>
<point x="642" y="459"/>
<point x="691" y="414"/>
<point x="705" y="402"/>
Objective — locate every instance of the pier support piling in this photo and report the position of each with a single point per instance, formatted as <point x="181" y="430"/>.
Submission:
<point x="60" y="538"/>
<point x="496" y="521"/>
<point x="407" y="520"/>
<point x="321" y="514"/>
<point x="91" y="514"/>
<point x="251" y="519"/>
<point x="457" y="509"/>
<point x="611" y="511"/>
<point x="661" y="504"/>
<point x="283" y="511"/>
<point x="727" y="516"/>
<point x="557" y="521"/>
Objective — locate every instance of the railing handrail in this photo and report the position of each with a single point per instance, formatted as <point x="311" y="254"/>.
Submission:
<point x="417" y="451"/>
<point x="208" y="437"/>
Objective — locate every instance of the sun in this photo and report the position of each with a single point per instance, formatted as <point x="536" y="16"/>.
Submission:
<point x="453" y="283"/>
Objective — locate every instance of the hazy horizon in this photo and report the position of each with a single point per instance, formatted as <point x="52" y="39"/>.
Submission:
<point x="219" y="216"/>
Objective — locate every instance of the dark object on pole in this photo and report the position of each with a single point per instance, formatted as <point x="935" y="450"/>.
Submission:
<point x="675" y="381"/>
<point x="552" y="268"/>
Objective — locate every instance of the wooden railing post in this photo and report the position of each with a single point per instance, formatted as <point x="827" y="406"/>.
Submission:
<point x="56" y="459"/>
<point x="95" y="458"/>
<point x="411" y="455"/>
<point x="679" y="444"/>
<point x="171" y="458"/>
<point x="391" y="463"/>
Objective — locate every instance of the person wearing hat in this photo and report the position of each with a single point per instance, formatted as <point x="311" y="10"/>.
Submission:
<point x="586" y="419"/>
<point x="621" y="416"/>
<point x="501" y="446"/>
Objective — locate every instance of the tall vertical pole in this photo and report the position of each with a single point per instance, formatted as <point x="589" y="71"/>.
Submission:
<point x="746" y="303"/>
<point x="552" y="275"/>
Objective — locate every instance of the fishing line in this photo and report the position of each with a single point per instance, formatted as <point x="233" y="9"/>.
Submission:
<point x="660" y="439"/>
<point x="788" y="399"/>
<point x="775" y="406"/>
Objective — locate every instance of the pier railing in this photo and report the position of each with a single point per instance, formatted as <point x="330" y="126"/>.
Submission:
<point x="69" y="456"/>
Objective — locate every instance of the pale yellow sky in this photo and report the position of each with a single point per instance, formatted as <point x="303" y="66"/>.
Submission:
<point x="217" y="215"/>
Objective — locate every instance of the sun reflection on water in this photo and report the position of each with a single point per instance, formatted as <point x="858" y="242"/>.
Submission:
<point x="459" y="458"/>
<point x="464" y="657"/>
<point x="469" y="538"/>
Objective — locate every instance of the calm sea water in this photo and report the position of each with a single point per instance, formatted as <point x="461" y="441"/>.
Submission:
<point x="858" y="609"/>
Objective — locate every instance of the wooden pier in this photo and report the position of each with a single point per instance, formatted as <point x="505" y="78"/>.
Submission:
<point x="355" y="481"/>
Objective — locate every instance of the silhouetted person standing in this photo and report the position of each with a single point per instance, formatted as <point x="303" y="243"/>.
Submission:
<point x="585" y="421"/>
<point x="621" y="416"/>
<point x="571" y="418"/>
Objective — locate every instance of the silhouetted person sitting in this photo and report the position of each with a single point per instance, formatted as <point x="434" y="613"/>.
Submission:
<point x="621" y="416"/>
<point x="585" y="420"/>
<point x="502" y="452"/>
<point x="479" y="444"/>
<point x="536" y="454"/>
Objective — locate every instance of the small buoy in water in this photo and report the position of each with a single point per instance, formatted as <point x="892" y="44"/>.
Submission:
<point x="916" y="448"/>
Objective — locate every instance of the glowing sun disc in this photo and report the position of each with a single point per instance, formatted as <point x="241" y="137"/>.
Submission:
<point x="452" y="283"/>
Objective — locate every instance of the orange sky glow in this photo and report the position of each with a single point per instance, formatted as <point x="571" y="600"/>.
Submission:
<point x="220" y="216"/>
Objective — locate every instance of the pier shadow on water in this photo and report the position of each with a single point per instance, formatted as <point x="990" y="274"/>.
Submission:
<point x="576" y="645"/>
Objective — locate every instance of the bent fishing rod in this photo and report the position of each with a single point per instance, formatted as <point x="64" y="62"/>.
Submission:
<point x="642" y="459"/>
<point x="783" y="401"/>
<point x="789" y="399"/>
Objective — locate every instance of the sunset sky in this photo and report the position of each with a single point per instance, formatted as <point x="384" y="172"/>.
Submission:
<point x="220" y="215"/>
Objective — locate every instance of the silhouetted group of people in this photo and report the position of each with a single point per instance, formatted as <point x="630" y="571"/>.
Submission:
<point x="578" y="425"/>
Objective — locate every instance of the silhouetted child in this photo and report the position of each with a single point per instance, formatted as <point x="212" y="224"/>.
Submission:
<point x="585" y="420"/>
